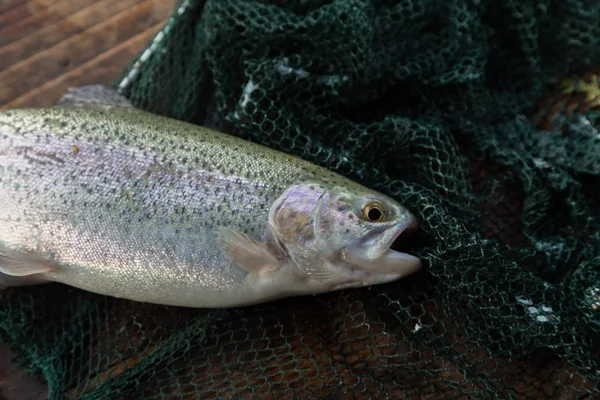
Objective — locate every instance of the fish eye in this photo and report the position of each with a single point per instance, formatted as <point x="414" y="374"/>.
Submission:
<point x="373" y="212"/>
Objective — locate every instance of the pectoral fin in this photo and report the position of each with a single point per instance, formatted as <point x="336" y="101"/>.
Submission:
<point x="93" y="95"/>
<point x="245" y="252"/>
<point x="22" y="268"/>
<point x="310" y="262"/>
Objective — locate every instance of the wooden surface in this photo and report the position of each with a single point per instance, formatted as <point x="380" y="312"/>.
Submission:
<point x="47" y="46"/>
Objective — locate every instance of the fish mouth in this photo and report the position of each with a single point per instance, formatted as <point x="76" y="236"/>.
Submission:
<point x="395" y="260"/>
<point x="405" y="230"/>
<point x="386" y="261"/>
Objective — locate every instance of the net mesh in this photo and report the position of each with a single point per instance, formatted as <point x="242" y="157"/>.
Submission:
<point x="480" y="116"/>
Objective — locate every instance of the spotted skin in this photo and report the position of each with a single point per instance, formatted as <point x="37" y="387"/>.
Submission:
<point x="126" y="203"/>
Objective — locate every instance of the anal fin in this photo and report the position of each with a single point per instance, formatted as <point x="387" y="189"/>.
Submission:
<point x="93" y="95"/>
<point x="245" y="252"/>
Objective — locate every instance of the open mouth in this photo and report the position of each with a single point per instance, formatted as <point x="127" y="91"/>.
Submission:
<point x="404" y="235"/>
<point x="396" y="262"/>
<point x="388" y="261"/>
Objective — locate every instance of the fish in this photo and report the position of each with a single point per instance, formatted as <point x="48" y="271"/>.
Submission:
<point x="105" y="197"/>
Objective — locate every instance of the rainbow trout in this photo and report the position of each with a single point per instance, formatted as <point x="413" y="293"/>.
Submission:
<point x="102" y="196"/>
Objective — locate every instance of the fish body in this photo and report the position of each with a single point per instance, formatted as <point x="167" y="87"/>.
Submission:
<point x="102" y="196"/>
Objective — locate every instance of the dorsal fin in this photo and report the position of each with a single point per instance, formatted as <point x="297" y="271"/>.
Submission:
<point x="93" y="95"/>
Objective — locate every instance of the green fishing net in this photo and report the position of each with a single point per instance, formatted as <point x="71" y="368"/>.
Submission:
<point x="478" y="115"/>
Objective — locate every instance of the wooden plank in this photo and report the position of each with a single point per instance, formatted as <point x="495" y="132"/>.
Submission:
<point x="27" y="15"/>
<point x="102" y="69"/>
<point x="7" y="5"/>
<point x="52" y="34"/>
<point x="79" y="49"/>
<point x="15" y="383"/>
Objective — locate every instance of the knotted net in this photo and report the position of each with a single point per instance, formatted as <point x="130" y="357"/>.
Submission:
<point x="480" y="116"/>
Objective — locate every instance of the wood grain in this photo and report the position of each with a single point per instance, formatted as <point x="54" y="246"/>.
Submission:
<point x="7" y="5"/>
<point x="100" y="69"/>
<point x="29" y="17"/>
<point x="29" y="45"/>
<point x="70" y="43"/>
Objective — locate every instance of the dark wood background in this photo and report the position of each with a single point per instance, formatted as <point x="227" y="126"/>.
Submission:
<point x="47" y="46"/>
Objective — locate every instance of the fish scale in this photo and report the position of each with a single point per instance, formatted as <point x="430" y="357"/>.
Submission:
<point x="127" y="203"/>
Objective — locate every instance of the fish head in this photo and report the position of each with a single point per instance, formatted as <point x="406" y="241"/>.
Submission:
<point x="344" y="236"/>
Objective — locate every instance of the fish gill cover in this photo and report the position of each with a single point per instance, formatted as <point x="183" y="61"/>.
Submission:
<point x="480" y="116"/>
